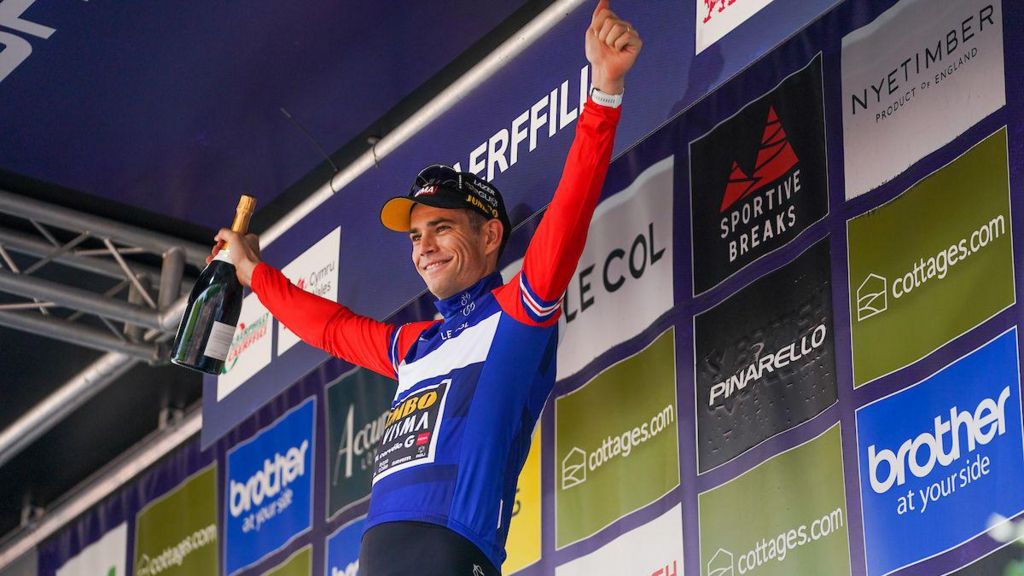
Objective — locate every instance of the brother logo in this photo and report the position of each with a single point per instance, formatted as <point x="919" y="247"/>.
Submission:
<point x="15" y="48"/>
<point x="268" y="482"/>
<point x="921" y="452"/>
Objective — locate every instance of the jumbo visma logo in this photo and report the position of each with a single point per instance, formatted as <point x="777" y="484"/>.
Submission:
<point x="933" y="263"/>
<point x="941" y="457"/>
<point x="268" y="489"/>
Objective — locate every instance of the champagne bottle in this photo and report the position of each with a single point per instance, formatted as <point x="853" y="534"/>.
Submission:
<point x="208" y="325"/>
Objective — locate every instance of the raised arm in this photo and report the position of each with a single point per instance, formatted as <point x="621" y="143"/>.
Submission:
<point x="612" y="47"/>
<point x="320" y="322"/>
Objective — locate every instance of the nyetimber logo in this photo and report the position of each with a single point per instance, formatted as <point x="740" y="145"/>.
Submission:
<point x="277" y="473"/>
<point x="942" y="446"/>
<point x="775" y="157"/>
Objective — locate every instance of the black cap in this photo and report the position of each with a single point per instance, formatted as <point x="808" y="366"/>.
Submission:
<point x="442" y="186"/>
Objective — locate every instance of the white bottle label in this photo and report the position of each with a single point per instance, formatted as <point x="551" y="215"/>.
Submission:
<point x="223" y="256"/>
<point x="220" y="341"/>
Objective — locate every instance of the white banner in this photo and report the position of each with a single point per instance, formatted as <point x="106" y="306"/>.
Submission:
<point x="654" y="549"/>
<point x="624" y="281"/>
<point x="104" y="557"/>
<point x="250" y="348"/>
<point x="316" y="272"/>
<point x="913" y="80"/>
<point x="716" y="18"/>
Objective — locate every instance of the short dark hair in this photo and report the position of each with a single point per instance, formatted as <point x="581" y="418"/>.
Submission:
<point x="477" y="221"/>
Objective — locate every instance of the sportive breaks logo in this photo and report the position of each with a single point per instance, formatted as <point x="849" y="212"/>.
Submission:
<point x="759" y="178"/>
<point x="764" y="359"/>
<point x="932" y="263"/>
<point x="268" y="488"/>
<point x="775" y="158"/>
<point x="936" y="457"/>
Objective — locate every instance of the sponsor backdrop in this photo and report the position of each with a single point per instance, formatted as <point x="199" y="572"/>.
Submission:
<point x="791" y="345"/>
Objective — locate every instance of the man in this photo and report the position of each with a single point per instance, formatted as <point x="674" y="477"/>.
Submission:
<point x="471" y="386"/>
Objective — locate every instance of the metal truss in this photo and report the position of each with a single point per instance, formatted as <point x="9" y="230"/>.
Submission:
<point x="44" y="289"/>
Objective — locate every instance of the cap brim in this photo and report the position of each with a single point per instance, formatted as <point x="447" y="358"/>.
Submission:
<point x="394" y="215"/>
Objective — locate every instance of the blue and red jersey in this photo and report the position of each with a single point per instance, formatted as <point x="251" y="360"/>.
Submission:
<point x="471" y="386"/>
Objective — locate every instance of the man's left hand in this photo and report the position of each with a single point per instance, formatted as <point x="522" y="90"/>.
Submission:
<point x="612" y="46"/>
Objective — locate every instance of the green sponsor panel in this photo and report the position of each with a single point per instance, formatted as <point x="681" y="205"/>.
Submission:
<point x="176" y="535"/>
<point x="358" y="404"/>
<point x="786" y="516"/>
<point x="616" y="442"/>
<point x="298" y="564"/>
<point x="932" y="263"/>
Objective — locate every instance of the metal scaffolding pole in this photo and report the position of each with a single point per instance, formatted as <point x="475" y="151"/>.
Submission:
<point x="77" y="334"/>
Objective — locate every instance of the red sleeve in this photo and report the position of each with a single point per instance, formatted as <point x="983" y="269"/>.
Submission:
<point x="320" y="322"/>
<point x="535" y="294"/>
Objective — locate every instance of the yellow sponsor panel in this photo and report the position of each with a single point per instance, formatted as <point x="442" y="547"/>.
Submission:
<point x="523" y="545"/>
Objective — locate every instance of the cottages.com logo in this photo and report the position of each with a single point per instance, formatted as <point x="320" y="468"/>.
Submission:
<point x="873" y="292"/>
<point x="777" y="548"/>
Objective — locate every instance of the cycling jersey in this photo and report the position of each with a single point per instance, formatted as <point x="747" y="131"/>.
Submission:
<point x="471" y="385"/>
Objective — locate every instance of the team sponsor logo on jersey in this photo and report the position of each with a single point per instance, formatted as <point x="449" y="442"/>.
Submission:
<point x="765" y="358"/>
<point x="616" y="444"/>
<point x="653" y="549"/>
<point x="268" y="488"/>
<point x="913" y="80"/>
<point x="800" y="524"/>
<point x="176" y="535"/>
<point x="716" y="18"/>
<point x="936" y="458"/>
<point x="358" y="405"/>
<point x="759" y="178"/>
<point x="250" y="347"/>
<point x="411" y="430"/>
<point x="316" y="272"/>
<point x="932" y="263"/>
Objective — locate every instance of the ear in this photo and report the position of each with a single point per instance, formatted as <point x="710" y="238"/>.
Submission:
<point x="492" y="230"/>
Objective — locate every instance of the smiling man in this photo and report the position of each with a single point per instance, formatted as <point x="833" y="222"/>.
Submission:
<point x="471" y="386"/>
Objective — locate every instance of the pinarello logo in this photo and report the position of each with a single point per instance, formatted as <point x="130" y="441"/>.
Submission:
<point x="775" y="157"/>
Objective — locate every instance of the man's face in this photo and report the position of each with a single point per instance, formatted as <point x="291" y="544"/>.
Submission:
<point x="448" y="252"/>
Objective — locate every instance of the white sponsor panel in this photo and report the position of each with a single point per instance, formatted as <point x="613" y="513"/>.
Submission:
<point x="913" y="80"/>
<point x="654" y="549"/>
<point x="316" y="272"/>
<point x="716" y="18"/>
<point x="250" y="349"/>
<point x="105" y="557"/>
<point x="624" y="279"/>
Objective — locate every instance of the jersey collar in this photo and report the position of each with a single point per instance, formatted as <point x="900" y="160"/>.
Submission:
<point x="464" y="302"/>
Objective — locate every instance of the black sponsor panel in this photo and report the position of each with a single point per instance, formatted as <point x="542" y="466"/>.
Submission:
<point x="358" y="405"/>
<point x="764" y="358"/>
<point x="759" y="178"/>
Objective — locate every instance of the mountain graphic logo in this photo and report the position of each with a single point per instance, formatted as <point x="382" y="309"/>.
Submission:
<point x="775" y="157"/>
<point x="721" y="564"/>
<point x="872" y="297"/>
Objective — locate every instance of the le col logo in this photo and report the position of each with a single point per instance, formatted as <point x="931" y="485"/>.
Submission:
<point x="277" y="473"/>
<point x="921" y="453"/>
<point x="16" y="49"/>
